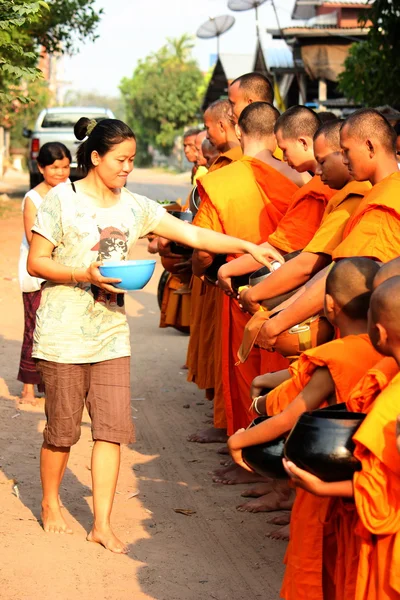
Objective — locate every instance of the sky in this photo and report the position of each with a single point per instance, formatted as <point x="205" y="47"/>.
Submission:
<point x="131" y="29"/>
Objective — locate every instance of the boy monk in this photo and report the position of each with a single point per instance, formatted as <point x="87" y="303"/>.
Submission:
<point x="317" y="253"/>
<point x="376" y="488"/>
<point x="368" y="144"/>
<point x="320" y="373"/>
<point x="249" y="197"/>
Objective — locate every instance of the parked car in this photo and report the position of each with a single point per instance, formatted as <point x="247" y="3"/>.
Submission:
<point x="57" y="125"/>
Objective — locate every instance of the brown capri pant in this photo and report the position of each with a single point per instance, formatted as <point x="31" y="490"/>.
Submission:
<point x="105" y="389"/>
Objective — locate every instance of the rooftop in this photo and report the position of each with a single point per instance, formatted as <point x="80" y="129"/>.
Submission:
<point x="306" y="9"/>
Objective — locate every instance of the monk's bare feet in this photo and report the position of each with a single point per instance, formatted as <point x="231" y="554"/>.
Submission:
<point x="209" y="436"/>
<point x="108" y="539"/>
<point x="236" y="475"/>
<point x="223" y="450"/>
<point x="272" y="501"/>
<point x="52" y="519"/>
<point x="282" y="533"/>
<point x="283" y="519"/>
<point x="260" y="489"/>
<point x="210" y="415"/>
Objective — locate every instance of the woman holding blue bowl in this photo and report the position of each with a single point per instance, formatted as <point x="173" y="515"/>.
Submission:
<point x="81" y="340"/>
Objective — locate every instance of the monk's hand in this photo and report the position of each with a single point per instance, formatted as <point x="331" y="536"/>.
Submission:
<point x="268" y="335"/>
<point x="246" y="303"/>
<point x="236" y="452"/>
<point x="265" y="255"/>
<point x="183" y="267"/>
<point x="303" y="479"/>
<point x="164" y="248"/>
<point x="224" y="281"/>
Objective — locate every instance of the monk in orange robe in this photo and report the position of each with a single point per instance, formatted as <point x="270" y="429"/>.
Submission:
<point x="368" y="144"/>
<point x="331" y="369"/>
<point x="176" y="301"/>
<point x="376" y="487"/>
<point x="203" y="359"/>
<point x="317" y="252"/>
<point x="233" y="200"/>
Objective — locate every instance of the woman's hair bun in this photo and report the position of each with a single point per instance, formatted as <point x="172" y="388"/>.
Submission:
<point x="80" y="129"/>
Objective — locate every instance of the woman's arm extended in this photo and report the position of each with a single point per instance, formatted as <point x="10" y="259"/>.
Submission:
<point x="41" y="264"/>
<point x="217" y="243"/>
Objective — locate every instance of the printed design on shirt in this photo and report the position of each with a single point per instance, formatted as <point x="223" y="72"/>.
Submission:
<point x="112" y="245"/>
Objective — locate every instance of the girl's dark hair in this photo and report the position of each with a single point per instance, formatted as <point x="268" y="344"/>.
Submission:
<point x="51" y="152"/>
<point x="103" y="135"/>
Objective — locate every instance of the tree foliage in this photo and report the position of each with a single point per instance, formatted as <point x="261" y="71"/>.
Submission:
<point x="372" y="68"/>
<point x="26" y="29"/>
<point x="163" y="96"/>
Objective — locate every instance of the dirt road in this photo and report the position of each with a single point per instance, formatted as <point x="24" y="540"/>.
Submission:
<point x="216" y="553"/>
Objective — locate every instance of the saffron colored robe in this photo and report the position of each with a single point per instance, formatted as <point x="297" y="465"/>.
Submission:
<point x="303" y="217"/>
<point x="374" y="228"/>
<point x="347" y="359"/>
<point x="235" y="203"/>
<point x="377" y="499"/>
<point x="342" y="517"/>
<point x="205" y="311"/>
<point x="338" y="211"/>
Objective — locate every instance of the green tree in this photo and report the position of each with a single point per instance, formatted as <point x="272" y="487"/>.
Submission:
<point x="163" y="96"/>
<point x="28" y="27"/>
<point x="25" y="115"/>
<point x="17" y="55"/>
<point x="372" y="68"/>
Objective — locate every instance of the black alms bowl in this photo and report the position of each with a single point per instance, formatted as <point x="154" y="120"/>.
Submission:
<point x="266" y="459"/>
<point x="182" y="216"/>
<point x="321" y="443"/>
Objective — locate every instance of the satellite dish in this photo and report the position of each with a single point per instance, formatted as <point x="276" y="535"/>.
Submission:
<point x="240" y="5"/>
<point x="214" y="27"/>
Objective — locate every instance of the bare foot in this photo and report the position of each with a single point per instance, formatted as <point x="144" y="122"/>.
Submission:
<point x="210" y="415"/>
<point x="107" y="539"/>
<point x="28" y="399"/>
<point x="260" y="489"/>
<point x="53" y="521"/>
<point x="184" y="368"/>
<point x="223" y="450"/>
<point x="236" y="475"/>
<point x="209" y="436"/>
<point x="208" y="421"/>
<point x="282" y="533"/>
<point x="283" y="519"/>
<point x="270" y="502"/>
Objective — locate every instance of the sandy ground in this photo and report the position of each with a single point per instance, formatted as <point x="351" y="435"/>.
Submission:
<point x="216" y="553"/>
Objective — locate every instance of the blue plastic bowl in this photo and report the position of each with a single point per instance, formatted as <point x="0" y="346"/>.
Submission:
<point x="134" y="274"/>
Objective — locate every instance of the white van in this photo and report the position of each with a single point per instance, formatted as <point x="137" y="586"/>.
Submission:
<point x="57" y="125"/>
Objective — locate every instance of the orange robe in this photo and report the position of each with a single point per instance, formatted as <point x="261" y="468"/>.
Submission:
<point x="206" y="303"/>
<point x="377" y="498"/>
<point x="235" y="203"/>
<point x="337" y="213"/>
<point x="303" y="217"/>
<point x="342" y="517"/>
<point x="347" y="359"/>
<point x="374" y="228"/>
<point x="175" y="308"/>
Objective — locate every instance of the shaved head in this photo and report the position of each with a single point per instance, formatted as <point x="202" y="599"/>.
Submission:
<point x="385" y="308"/>
<point x="258" y="119"/>
<point x="256" y="87"/>
<point x="331" y="132"/>
<point x="326" y="116"/>
<point x="388" y="270"/>
<point x="368" y="123"/>
<point x="350" y="284"/>
<point x="191" y="132"/>
<point x="296" y="122"/>
<point x="219" y="110"/>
